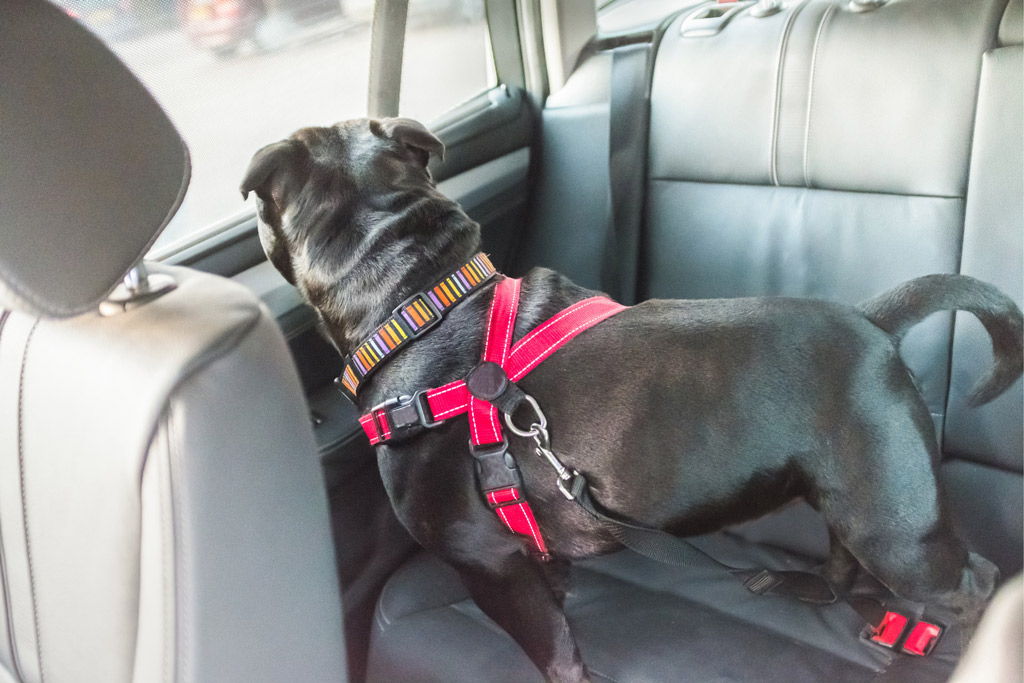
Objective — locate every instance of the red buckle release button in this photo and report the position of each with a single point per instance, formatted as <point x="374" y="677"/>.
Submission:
<point x="889" y="630"/>
<point x="922" y="638"/>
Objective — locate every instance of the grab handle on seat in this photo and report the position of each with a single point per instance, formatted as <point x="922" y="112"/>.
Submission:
<point x="710" y="19"/>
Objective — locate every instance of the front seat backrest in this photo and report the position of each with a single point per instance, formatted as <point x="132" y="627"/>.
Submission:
<point x="162" y="511"/>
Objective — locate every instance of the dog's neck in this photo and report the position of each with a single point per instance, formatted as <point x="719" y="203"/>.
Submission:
<point x="405" y="247"/>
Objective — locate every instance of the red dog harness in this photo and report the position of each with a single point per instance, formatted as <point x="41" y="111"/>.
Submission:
<point x="498" y="475"/>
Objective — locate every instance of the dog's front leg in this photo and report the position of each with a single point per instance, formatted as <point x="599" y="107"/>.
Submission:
<point x="436" y="498"/>
<point x="513" y="590"/>
<point x="557" y="573"/>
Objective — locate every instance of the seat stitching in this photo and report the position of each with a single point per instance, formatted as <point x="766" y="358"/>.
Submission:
<point x="24" y="499"/>
<point x="214" y="351"/>
<point x="605" y="676"/>
<point x="167" y="571"/>
<point x="810" y="89"/>
<point x="4" y="315"/>
<point x="174" y="460"/>
<point x="883" y="193"/>
<point x="487" y="622"/>
<point x="380" y="604"/>
<point x="783" y="43"/>
<point x="8" y="616"/>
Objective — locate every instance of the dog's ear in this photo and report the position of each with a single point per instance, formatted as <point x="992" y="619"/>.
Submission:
<point x="277" y="172"/>
<point x="412" y="134"/>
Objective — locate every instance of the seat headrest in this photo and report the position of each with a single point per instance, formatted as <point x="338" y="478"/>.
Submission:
<point x="91" y="169"/>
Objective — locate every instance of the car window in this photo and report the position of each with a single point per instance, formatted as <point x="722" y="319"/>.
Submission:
<point x="447" y="57"/>
<point x="235" y="75"/>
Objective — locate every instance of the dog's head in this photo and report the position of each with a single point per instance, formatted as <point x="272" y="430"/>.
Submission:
<point x="332" y="185"/>
<point x="350" y="215"/>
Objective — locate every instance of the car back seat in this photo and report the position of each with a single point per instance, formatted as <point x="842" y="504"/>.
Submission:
<point x="817" y="152"/>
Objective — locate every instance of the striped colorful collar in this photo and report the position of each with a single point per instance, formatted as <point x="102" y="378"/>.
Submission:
<point x="410" y="320"/>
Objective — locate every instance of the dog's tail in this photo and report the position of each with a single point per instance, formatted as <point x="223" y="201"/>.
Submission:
<point x="899" y="309"/>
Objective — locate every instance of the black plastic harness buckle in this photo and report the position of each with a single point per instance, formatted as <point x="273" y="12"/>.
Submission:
<point x="406" y="416"/>
<point x="496" y="469"/>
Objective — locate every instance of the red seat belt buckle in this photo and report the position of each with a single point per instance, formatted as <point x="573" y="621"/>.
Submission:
<point x="889" y="630"/>
<point x="922" y="639"/>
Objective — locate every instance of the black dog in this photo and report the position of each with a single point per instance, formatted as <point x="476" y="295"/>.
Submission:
<point x="725" y="410"/>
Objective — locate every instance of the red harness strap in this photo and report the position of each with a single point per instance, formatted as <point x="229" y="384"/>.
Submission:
<point x="485" y="428"/>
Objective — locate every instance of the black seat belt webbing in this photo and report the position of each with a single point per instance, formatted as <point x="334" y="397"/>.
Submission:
<point x="802" y="585"/>
<point x="668" y="549"/>
<point x="629" y="115"/>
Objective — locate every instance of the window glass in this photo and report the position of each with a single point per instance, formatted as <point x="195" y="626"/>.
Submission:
<point x="235" y="75"/>
<point x="447" y="57"/>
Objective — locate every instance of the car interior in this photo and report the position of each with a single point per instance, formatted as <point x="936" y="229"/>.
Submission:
<point x="185" y="495"/>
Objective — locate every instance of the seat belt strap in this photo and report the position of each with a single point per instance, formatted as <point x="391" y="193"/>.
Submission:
<point x="663" y="547"/>
<point x="627" y="167"/>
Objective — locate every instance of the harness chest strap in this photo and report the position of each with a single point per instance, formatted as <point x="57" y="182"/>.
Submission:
<point x="517" y="361"/>
<point x="453" y="399"/>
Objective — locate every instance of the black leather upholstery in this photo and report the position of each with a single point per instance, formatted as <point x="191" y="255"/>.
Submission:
<point x="818" y="152"/>
<point x="735" y="199"/>
<point x="637" y="620"/>
<point x="984" y="446"/>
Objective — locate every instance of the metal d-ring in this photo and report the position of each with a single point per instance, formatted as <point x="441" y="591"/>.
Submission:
<point x="534" y="429"/>
<point x="539" y="432"/>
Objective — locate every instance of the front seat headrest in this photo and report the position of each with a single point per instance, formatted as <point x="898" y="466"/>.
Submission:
<point x="91" y="169"/>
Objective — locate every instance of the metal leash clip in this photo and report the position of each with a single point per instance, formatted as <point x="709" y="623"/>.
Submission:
<point x="538" y="431"/>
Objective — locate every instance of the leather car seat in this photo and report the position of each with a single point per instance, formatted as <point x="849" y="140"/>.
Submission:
<point x="162" y="511"/>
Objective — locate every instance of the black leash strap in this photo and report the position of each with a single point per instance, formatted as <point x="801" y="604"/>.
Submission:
<point x="627" y="167"/>
<point x="806" y="586"/>
<point x="668" y="549"/>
